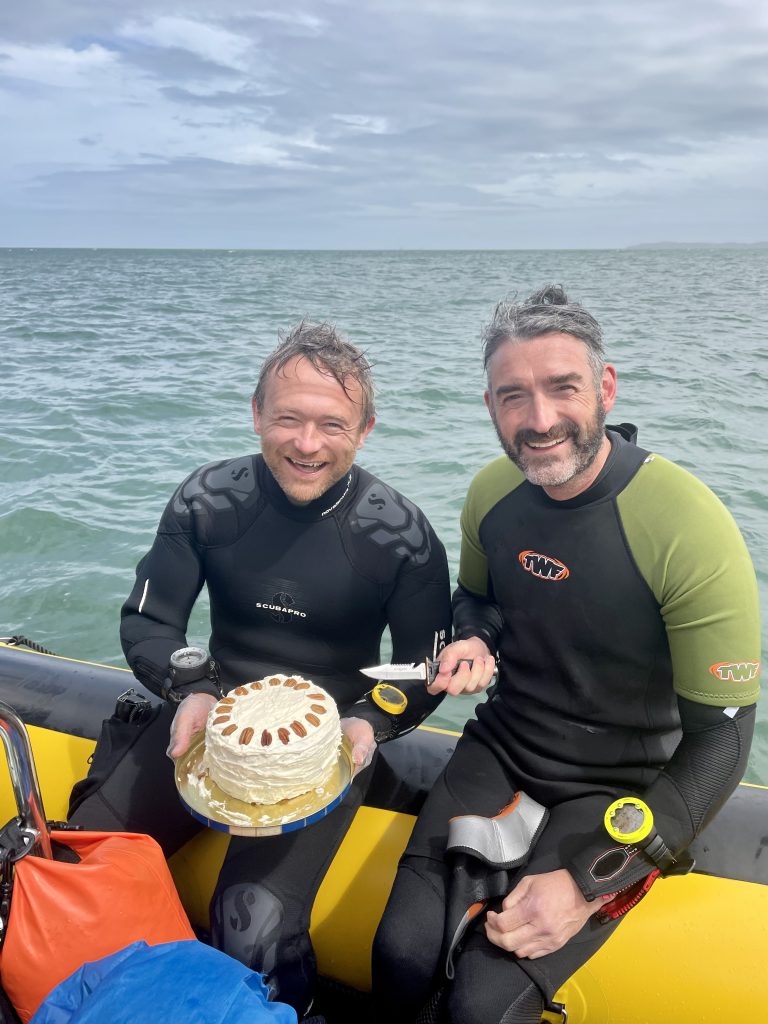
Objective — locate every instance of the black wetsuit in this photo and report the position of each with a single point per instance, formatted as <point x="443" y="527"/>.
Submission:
<point x="625" y="618"/>
<point x="305" y="589"/>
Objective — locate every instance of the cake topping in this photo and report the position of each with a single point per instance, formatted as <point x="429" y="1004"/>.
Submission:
<point x="241" y="754"/>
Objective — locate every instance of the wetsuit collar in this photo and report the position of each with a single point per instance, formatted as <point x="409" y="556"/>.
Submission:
<point x="321" y="508"/>
<point x="616" y="468"/>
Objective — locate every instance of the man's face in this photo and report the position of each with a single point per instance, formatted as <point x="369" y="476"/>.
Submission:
<point x="310" y="429"/>
<point x="547" y="411"/>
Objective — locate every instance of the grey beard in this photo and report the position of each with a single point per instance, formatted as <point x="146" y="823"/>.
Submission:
<point x="555" y="472"/>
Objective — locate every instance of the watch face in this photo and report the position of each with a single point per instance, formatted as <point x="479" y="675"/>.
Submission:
<point x="628" y="818"/>
<point x="189" y="657"/>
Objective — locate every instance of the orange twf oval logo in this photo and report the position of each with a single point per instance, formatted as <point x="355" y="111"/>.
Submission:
<point x="543" y="566"/>
<point x="735" y="671"/>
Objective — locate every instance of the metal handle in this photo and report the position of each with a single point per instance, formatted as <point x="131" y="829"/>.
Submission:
<point x="26" y="788"/>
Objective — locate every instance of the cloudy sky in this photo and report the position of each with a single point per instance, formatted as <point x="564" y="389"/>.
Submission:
<point x="381" y="123"/>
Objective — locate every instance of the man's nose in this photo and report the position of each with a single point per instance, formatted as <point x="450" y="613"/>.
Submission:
<point x="307" y="439"/>
<point x="542" y="414"/>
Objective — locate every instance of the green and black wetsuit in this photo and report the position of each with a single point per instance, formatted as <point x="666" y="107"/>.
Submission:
<point x="626" y="622"/>
<point x="605" y="607"/>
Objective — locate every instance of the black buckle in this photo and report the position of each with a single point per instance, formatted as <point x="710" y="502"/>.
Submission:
<point x="132" y="707"/>
<point x="15" y="843"/>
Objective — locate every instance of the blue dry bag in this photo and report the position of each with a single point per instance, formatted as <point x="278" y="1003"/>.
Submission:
<point x="177" y="983"/>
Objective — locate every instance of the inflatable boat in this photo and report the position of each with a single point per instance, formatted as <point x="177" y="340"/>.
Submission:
<point x="692" y="951"/>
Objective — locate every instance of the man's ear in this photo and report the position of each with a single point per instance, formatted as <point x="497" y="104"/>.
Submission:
<point x="366" y="431"/>
<point x="256" y="416"/>
<point x="488" y="402"/>
<point x="608" y="387"/>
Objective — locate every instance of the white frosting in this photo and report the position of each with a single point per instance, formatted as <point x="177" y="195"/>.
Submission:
<point x="285" y="741"/>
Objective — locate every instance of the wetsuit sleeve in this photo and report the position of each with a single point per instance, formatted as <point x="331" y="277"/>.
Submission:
<point x="475" y="612"/>
<point x="692" y="556"/>
<point x="704" y="770"/>
<point x="168" y="580"/>
<point x="419" y="617"/>
<point x="476" y="616"/>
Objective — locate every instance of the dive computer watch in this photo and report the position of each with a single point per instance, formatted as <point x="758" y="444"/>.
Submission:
<point x="186" y="666"/>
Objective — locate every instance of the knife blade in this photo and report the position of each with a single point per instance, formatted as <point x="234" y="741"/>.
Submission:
<point x="425" y="670"/>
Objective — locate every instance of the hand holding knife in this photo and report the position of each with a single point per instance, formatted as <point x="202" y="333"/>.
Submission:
<point x="469" y="675"/>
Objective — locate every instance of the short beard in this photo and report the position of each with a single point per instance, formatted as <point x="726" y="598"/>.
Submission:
<point x="556" y="471"/>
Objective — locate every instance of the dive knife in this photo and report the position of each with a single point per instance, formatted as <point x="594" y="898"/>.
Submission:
<point x="425" y="670"/>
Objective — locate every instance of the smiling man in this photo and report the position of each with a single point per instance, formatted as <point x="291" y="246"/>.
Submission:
<point x="307" y="558"/>
<point x="620" y="600"/>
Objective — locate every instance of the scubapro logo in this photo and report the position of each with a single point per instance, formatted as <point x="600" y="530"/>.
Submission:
<point x="281" y="608"/>
<point x="735" y="671"/>
<point x="543" y="566"/>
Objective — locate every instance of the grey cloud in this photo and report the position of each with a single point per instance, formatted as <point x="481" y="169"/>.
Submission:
<point x="481" y="107"/>
<point x="248" y="99"/>
<point x="174" y="63"/>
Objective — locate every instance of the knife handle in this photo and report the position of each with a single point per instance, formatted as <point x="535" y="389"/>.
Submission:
<point x="433" y="668"/>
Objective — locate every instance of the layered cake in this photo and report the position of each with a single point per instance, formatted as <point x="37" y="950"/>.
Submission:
<point x="272" y="739"/>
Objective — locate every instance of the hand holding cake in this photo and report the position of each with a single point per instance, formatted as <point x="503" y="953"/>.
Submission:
<point x="360" y="736"/>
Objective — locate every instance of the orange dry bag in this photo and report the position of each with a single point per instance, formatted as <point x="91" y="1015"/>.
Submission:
<point x="69" y="897"/>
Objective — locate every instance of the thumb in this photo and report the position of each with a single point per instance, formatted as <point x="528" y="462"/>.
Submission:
<point x="190" y="716"/>
<point x="360" y="753"/>
<point x="181" y="734"/>
<point x="516" y="896"/>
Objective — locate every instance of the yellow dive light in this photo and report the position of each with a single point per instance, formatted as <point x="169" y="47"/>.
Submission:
<point x="389" y="698"/>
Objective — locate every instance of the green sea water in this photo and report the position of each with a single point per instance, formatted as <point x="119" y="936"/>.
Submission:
<point x="123" y="370"/>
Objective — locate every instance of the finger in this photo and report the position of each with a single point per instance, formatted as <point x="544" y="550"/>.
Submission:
<point x="465" y="678"/>
<point x="449" y="658"/>
<point x="481" y="674"/>
<point x="362" y="755"/>
<point x="512" y="899"/>
<point x="179" y="742"/>
<point x="476" y="673"/>
<point x="510" y="940"/>
<point x="508" y="920"/>
<point x="446" y="676"/>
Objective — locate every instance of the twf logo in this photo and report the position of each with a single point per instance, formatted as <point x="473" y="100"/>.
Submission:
<point x="735" y="671"/>
<point x="543" y="566"/>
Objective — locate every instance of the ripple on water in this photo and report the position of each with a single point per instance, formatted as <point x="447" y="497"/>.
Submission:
<point x="125" y="370"/>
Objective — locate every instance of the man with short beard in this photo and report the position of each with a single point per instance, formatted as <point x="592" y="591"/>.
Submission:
<point x="621" y="602"/>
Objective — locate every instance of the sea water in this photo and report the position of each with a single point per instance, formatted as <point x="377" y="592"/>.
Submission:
<point x="123" y="370"/>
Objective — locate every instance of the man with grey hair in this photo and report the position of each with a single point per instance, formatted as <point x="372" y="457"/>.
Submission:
<point x="307" y="558"/>
<point x="618" y="597"/>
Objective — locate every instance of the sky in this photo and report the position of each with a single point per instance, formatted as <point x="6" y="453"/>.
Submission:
<point x="368" y="124"/>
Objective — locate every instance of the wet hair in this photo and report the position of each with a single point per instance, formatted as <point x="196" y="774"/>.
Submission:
<point x="324" y="347"/>
<point x="547" y="311"/>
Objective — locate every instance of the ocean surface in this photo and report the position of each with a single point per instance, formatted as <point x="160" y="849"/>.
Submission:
<point x="123" y="370"/>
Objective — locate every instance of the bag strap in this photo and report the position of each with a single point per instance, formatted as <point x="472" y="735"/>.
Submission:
<point x="16" y="842"/>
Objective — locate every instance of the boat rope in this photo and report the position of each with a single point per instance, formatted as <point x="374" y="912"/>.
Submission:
<point x="22" y="641"/>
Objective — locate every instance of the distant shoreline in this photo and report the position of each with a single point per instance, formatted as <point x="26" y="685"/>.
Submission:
<point x="394" y="249"/>
<point x="698" y="245"/>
